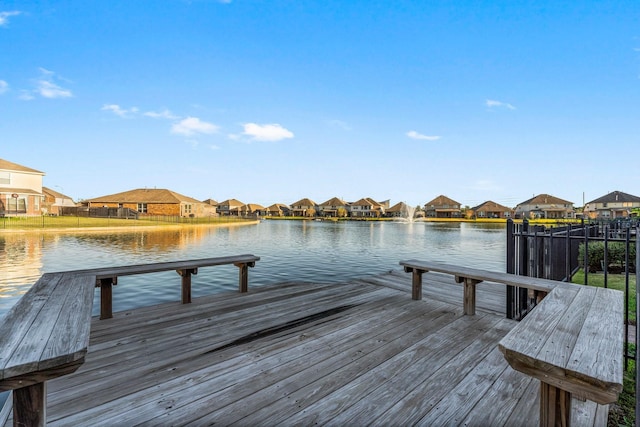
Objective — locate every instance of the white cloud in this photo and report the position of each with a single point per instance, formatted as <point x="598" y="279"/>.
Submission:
<point x="491" y="103"/>
<point x="193" y="126"/>
<point x="165" y="114"/>
<point x="26" y="95"/>
<point x="415" y="135"/>
<point x="119" y="111"/>
<point x="4" y="86"/>
<point x="268" y="132"/>
<point x="49" y="89"/>
<point x="4" y="16"/>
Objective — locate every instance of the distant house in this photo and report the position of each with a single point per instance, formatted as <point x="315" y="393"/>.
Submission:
<point x="613" y="205"/>
<point x="230" y="207"/>
<point x="20" y="190"/>
<point x="148" y="201"/>
<point x="334" y="207"/>
<point x="253" y="209"/>
<point x="55" y="203"/>
<point x="304" y="207"/>
<point x="442" y="207"/>
<point x="278" y="209"/>
<point x="491" y="209"/>
<point x="211" y="207"/>
<point x="366" y="208"/>
<point x="545" y="206"/>
<point x="399" y="210"/>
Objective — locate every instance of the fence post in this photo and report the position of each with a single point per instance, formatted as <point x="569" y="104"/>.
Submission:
<point x="511" y="267"/>
<point x="637" y="317"/>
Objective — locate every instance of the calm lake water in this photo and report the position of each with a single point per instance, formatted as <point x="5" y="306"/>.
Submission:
<point x="310" y="251"/>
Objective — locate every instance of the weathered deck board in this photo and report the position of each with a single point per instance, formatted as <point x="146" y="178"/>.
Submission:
<point x="384" y="360"/>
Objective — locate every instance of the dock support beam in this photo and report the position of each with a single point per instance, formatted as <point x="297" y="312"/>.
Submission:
<point x="469" y="294"/>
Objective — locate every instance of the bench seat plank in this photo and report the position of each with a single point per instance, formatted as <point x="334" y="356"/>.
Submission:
<point x="588" y="365"/>
<point x="483" y="275"/>
<point x="109" y="272"/>
<point x="56" y="335"/>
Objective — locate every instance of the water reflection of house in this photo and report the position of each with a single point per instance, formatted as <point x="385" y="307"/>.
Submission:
<point x="55" y="203"/>
<point x="304" y="207"/>
<point x="20" y="189"/>
<point x="613" y="205"/>
<point x="334" y="207"/>
<point x="491" y="209"/>
<point x="154" y="201"/>
<point x="545" y="206"/>
<point x="442" y="207"/>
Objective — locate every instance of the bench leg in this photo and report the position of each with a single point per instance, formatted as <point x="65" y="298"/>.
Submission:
<point x="186" y="283"/>
<point x="555" y="406"/>
<point x="30" y="405"/>
<point x="416" y="284"/>
<point x="470" y="296"/>
<point x="243" y="280"/>
<point x="106" y="298"/>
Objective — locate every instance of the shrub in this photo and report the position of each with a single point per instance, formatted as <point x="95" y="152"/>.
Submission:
<point x="615" y="255"/>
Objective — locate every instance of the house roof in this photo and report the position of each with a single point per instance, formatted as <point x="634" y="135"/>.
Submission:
<point x="491" y="206"/>
<point x="253" y="207"/>
<point x="145" y="195"/>
<point x="304" y="202"/>
<point x="232" y="203"/>
<point x="398" y="207"/>
<point x="14" y="167"/>
<point x="545" y="199"/>
<point x="278" y="207"/>
<point x="54" y="193"/>
<point x="617" y="196"/>
<point x="210" y="202"/>
<point x="18" y="191"/>
<point x="365" y="202"/>
<point x="441" y="201"/>
<point x="335" y="201"/>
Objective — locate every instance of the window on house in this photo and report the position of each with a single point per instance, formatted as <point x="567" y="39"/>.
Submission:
<point x="142" y="207"/>
<point x="5" y="177"/>
<point x="187" y="209"/>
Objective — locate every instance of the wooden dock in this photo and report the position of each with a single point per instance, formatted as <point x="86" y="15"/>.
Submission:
<point x="355" y="353"/>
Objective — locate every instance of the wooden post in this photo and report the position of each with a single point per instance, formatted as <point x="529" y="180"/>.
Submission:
<point x="469" y="295"/>
<point x="243" y="269"/>
<point x="186" y="283"/>
<point x="30" y="405"/>
<point x="416" y="282"/>
<point x="106" y="304"/>
<point x="555" y="406"/>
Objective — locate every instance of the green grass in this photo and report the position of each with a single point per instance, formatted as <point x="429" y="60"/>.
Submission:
<point x="614" y="281"/>
<point x="68" y="222"/>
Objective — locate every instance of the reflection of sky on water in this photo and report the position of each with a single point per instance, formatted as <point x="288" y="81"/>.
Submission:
<point x="310" y="251"/>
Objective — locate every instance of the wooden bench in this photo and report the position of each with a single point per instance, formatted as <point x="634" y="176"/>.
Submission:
<point x="44" y="336"/>
<point x="107" y="277"/>
<point x="470" y="277"/>
<point x="573" y="343"/>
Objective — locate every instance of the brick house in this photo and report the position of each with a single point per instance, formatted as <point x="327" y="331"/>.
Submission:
<point x="304" y="207"/>
<point x="613" y="205"/>
<point x="20" y="190"/>
<point x="442" y="207"/>
<point x="55" y="203"/>
<point x="545" y="206"/>
<point x="366" y="208"/>
<point x="491" y="209"/>
<point x="230" y="207"/>
<point x="334" y="207"/>
<point x="148" y="201"/>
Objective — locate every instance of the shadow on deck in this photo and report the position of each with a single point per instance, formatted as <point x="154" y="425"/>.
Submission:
<point x="361" y="352"/>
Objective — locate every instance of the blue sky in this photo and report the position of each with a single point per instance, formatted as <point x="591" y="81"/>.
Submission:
<point x="273" y="101"/>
